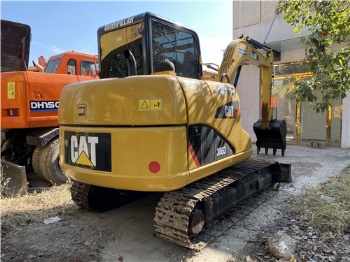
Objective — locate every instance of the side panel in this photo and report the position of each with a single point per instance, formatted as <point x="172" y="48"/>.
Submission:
<point x="142" y="159"/>
<point x="14" y="95"/>
<point x="227" y="119"/>
<point x="199" y="101"/>
<point x="215" y="131"/>
<point x="36" y="95"/>
<point x="44" y="92"/>
<point x="207" y="145"/>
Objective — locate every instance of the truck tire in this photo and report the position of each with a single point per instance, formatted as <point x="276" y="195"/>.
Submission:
<point x="49" y="164"/>
<point x="37" y="154"/>
<point x="6" y="144"/>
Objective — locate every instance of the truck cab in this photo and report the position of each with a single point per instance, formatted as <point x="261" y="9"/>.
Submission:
<point x="31" y="99"/>
<point x="72" y="63"/>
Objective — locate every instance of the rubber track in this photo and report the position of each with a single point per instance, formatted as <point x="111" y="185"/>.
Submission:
<point x="174" y="208"/>
<point x="80" y="192"/>
<point x="101" y="199"/>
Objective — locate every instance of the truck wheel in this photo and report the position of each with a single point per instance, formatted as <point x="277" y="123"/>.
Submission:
<point x="49" y="164"/>
<point x="38" y="151"/>
<point x="6" y="144"/>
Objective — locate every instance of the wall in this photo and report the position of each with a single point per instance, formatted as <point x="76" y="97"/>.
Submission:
<point x="253" y="18"/>
<point x="345" y="135"/>
<point x="248" y="88"/>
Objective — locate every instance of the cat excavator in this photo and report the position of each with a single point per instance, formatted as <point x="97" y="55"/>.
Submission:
<point x="154" y="123"/>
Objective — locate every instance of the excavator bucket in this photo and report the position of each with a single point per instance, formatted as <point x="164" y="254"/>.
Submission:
<point x="273" y="136"/>
<point x="13" y="179"/>
<point x="15" y="46"/>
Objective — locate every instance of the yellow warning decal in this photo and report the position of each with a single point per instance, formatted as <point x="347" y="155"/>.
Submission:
<point x="150" y="104"/>
<point x="156" y="104"/>
<point x="84" y="160"/>
<point x="144" y="105"/>
<point x="11" y="92"/>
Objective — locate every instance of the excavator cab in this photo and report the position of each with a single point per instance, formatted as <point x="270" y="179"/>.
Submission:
<point x="139" y="44"/>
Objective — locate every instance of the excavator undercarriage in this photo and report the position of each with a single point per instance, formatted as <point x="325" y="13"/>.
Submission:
<point x="182" y="215"/>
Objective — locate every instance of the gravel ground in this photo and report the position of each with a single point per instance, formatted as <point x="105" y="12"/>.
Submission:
<point x="312" y="243"/>
<point x="126" y="233"/>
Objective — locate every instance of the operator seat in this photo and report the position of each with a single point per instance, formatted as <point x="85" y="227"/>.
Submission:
<point x="165" y="66"/>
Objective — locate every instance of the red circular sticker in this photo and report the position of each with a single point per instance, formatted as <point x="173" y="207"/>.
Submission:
<point x="154" y="167"/>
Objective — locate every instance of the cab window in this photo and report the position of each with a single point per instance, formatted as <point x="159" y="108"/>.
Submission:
<point x="52" y="65"/>
<point x="71" y="67"/>
<point x="118" y="65"/>
<point x="113" y="44"/>
<point x="176" y="46"/>
<point x="87" y="68"/>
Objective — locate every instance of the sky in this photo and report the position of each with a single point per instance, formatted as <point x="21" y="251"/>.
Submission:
<point x="59" y="26"/>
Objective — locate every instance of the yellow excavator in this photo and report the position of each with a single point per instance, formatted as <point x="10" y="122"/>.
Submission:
<point x="154" y="123"/>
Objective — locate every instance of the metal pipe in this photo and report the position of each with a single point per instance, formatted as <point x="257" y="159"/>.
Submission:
<point x="273" y="21"/>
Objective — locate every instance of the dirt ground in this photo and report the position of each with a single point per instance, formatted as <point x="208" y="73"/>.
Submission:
<point x="127" y="234"/>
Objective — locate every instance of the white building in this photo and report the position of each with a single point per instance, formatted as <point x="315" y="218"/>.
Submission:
<point x="257" y="20"/>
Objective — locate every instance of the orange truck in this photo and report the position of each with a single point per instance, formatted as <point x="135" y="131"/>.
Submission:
<point x="29" y="106"/>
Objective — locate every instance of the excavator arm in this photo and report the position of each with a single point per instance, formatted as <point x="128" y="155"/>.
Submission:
<point x="244" y="51"/>
<point x="271" y="133"/>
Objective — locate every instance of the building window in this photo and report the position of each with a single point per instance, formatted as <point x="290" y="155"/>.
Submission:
<point x="291" y="69"/>
<point x="303" y="123"/>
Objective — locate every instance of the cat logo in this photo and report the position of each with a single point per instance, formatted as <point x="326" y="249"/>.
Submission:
<point x="255" y="56"/>
<point x="83" y="150"/>
<point x="229" y="110"/>
<point x="88" y="150"/>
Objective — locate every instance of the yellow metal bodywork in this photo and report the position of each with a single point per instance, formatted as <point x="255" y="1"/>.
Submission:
<point x="119" y="38"/>
<point x="141" y="136"/>
<point x="115" y="102"/>
<point x="240" y="52"/>
<point x="133" y="149"/>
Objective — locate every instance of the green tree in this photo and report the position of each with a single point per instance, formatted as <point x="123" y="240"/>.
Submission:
<point x="327" y="48"/>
